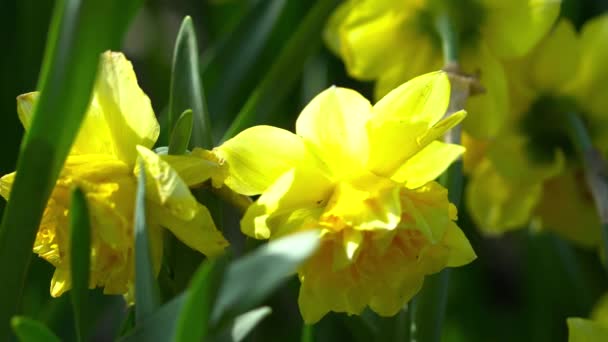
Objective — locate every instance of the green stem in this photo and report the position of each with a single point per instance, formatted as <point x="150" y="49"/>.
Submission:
<point x="308" y="332"/>
<point x="428" y="308"/>
<point x="594" y="166"/>
<point x="449" y="37"/>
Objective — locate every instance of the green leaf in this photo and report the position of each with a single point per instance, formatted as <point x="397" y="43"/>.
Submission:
<point x="147" y="294"/>
<point x="159" y="326"/>
<point x="234" y="60"/>
<point x="428" y="308"/>
<point x="180" y="137"/>
<point x="80" y="260"/>
<point x="285" y="71"/>
<point x="186" y="87"/>
<point x="74" y="44"/>
<point x="193" y="320"/>
<point x="269" y="265"/>
<point x="243" y="324"/>
<point x="29" y="330"/>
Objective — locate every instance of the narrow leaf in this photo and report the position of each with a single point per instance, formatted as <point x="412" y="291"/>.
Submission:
<point x="29" y="330"/>
<point x="234" y="61"/>
<point x="159" y="326"/>
<point x="70" y="63"/>
<point x="285" y="71"/>
<point x="193" y="320"/>
<point x="180" y="136"/>
<point x="269" y="266"/>
<point x="186" y="87"/>
<point x="147" y="294"/>
<point x="80" y="259"/>
<point x="243" y="324"/>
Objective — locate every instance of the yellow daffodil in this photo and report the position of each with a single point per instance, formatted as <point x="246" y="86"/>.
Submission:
<point x="392" y="41"/>
<point x="590" y="330"/>
<point x="119" y="128"/>
<point x="529" y="169"/>
<point x="363" y="176"/>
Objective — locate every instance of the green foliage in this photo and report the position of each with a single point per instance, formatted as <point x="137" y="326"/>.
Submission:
<point x="186" y="88"/>
<point x="147" y="295"/>
<point x="29" y="330"/>
<point x="74" y="45"/>
<point x="180" y="135"/>
<point x="80" y="252"/>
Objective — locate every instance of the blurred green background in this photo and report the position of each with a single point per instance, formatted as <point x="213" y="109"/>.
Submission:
<point x="522" y="287"/>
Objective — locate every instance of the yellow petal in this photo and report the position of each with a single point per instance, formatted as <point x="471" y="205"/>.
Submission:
<point x="427" y="164"/>
<point x="423" y="99"/>
<point x="61" y="281"/>
<point x="584" y="330"/>
<point x="427" y="209"/>
<point x="125" y="108"/>
<point x="512" y="28"/>
<point x="549" y="74"/>
<point x="487" y="112"/>
<point x="198" y="233"/>
<point x="367" y="203"/>
<point x="331" y="33"/>
<point x="566" y="207"/>
<point x="460" y="250"/>
<point x="425" y="58"/>
<point x="334" y="123"/>
<point x="25" y="108"/>
<point x="257" y="156"/>
<point x="6" y="183"/>
<point x="164" y="186"/>
<point x="191" y="169"/>
<point x="498" y="204"/>
<point x="365" y="39"/>
<point x="592" y="74"/>
<point x="403" y="117"/>
<point x="295" y="189"/>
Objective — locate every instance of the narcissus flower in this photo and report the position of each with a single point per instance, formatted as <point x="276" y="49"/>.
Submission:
<point x="392" y="41"/>
<point x="364" y="176"/>
<point x="119" y="127"/>
<point x="530" y="170"/>
<point x="590" y="330"/>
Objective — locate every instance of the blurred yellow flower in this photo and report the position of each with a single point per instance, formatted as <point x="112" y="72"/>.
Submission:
<point x="392" y="41"/>
<point x="590" y="330"/>
<point x="119" y="127"/>
<point x="529" y="169"/>
<point x="363" y="175"/>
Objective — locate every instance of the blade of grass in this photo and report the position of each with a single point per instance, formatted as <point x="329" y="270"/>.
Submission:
<point x="233" y="61"/>
<point x="74" y="45"/>
<point x="180" y="136"/>
<point x="243" y="324"/>
<point x="29" y="330"/>
<point x="159" y="326"/>
<point x="285" y="71"/>
<point x="147" y="294"/>
<point x="80" y="259"/>
<point x="193" y="320"/>
<point x="186" y="87"/>
<point x="269" y="265"/>
<point x="596" y="171"/>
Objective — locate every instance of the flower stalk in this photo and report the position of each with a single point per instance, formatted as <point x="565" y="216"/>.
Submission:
<point x="595" y="171"/>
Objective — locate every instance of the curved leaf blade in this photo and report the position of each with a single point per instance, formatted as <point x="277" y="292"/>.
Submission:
<point x="186" y="86"/>
<point x="80" y="261"/>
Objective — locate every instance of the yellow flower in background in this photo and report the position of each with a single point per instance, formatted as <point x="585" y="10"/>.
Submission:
<point x="590" y="330"/>
<point x="362" y="175"/>
<point x="392" y="41"/>
<point x="119" y="127"/>
<point x="529" y="170"/>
